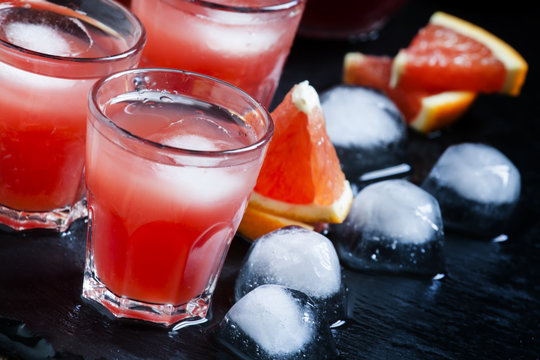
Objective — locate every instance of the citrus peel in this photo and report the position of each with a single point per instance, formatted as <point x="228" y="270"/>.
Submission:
<point x="424" y="111"/>
<point x="256" y="223"/>
<point x="301" y="180"/>
<point x="450" y="53"/>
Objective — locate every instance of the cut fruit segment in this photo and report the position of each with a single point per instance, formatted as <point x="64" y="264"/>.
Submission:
<point x="256" y="223"/>
<point x="425" y="111"/>
<point x="301" y="177"/>
<point x="452" y="54"/>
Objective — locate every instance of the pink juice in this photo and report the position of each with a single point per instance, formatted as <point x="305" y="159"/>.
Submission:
<point x="160" y="229"/>
<point x="245" y="49"/>
<point x="43" y="104"/>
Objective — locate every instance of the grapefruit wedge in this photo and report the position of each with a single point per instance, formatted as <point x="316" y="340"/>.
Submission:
<point x="425" y="111"/>
<point x="452" y="54"/>
<point x="257" y="223"/>
<point x="301" y="180"/>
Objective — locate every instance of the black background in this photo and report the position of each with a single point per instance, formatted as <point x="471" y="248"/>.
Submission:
<point x="487" y="307"/>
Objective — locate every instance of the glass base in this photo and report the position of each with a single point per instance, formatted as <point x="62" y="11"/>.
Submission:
<point x="193" y="312"/>
<point x="57" y="219"/>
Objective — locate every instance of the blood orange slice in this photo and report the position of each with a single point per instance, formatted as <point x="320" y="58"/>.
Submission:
<point x="423" y="110"/>
<point x="301" y="177"/>
<point x="452" y="54"/>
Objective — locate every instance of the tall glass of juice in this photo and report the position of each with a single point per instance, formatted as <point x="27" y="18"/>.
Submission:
<point x="171" y="160"/>
<point x="243" y="42"/>
<point x="51" y="53"/>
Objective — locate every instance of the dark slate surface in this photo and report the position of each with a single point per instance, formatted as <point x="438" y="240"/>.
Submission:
<point x="487" y="307"/>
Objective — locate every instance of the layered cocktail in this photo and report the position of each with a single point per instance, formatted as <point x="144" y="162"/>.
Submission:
<point x="172" y="158"/>
<point x="244" y="42"/>
<point x="50" y="56"/>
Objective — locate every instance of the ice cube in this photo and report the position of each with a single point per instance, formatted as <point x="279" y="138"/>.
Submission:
<point x="37" y="37"/>
<point x="204" y="185"/>
<point x="393" y="226"/>
<point x="299" y="259"/>
<point x="477" y="188"/>
<point x="274" y="322"/>
<point x="237" y="40"/>
<point x="366" y="128"/>
<point x="192" y="142"/>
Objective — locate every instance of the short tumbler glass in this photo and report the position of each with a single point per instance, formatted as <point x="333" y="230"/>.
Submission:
<point x="243" y="42"/>
<point x="51" y="53"/>
<point x="172" y="158"/>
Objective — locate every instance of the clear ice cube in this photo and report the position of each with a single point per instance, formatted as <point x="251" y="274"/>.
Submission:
<point x="477" y="188"/>
<point x="368" y="132"/>
<point x="393" y="226"/>
<point x="275" y="322"/>
<point x="43" y="31"/>
<point x="38" y="38"/>
<point x="300" y="259"/>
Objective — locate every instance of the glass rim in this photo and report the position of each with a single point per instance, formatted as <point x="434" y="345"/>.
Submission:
<point x="8" y="46"/>
<point x="277" y="5"/>
<point x="260" y="142"/>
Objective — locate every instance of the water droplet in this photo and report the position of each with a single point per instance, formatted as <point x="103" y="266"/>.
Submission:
<point x="138" y="83"/>
<point x="500" y="238"/>
<point x="439" y="276"/>
<point x="337" y="324"/>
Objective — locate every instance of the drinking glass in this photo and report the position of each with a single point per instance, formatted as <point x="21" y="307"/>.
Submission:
<point x="50" y="55"/>
<point x="243" y="42"/>
<point x="171" y="160"/>
<point x="347" y="19"/>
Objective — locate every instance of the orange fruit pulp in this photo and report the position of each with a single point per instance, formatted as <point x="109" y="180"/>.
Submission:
<point x="301" y="178"/>
<point x="452" y="54"/>
<point x="423" y="110"/>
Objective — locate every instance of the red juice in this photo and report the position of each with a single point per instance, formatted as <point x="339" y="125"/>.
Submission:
<point x="160" y="225"/>
<point x="43" y="105"/>
<point x="246" y="49"/>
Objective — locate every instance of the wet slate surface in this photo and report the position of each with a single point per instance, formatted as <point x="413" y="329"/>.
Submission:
<point x="487" y="307"/>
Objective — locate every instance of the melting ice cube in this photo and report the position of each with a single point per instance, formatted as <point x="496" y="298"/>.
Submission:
<point x="236" y="40"/>
<point x="274" y="322"/>
<point x="393" y="226"/>
<point x="477" y="188"/>
<point x="366" y="128"/>
<point x="37" y="37"/>
<point x="300" y="259"/>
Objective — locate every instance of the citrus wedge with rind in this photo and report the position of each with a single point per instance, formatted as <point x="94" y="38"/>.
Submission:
<point x="257" y="223"/>
<point x="425" y="111"/>
<point x="450" y="53"/>
<point x="440" y="110"/>
<point x="301" y="178"/>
